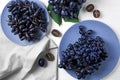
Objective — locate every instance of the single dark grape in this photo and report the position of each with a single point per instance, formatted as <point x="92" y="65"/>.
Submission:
<point x="41" y="62"/>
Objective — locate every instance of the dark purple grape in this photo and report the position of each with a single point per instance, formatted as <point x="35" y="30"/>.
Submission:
<point x="84" y="1"/>
<point x="12" y="4"/>
<point x="56" y="11"/>
<point x="16" y="32"/>
<point x="30" y="10"/>
<point x="80" y="1"/>
<point x="32" y="35"/>
<point x="41" y="21"/>
<point x="89" y="32"/>
<point x="19" y="2"/>
<point x="43" y="29"/>
<point x="84" y="56"/>
<point x="41" y="62"/>
<point x="10" y="24"/>
<point x="26" y="19"/>
<point x="21" y="27"/>
<point x="15" y="12"/>
<point x="24" y="30"/>
<point x="72" y="4"/>
<point x="22" y="38"/>
<point x="51" y="1"/>
<point x="36" y="6"/>
<point x="14" y="9"/>
<point x="22" y="22"/>
<point x="79" y="7"/>
<point x="64" y="13"/>
<point x="20" y="35"/>
<point x="31" y="26"/>
<point x="32" y="29"/>
<point x="10" y="17"/>
<point x="27" y="35"/>
<point x="25" y="13"/>
<point x="28" y="23"/>
<point x="23" y="9"/>
<point x="32" y="5"/>
<point x="27" y="2"/>
<point x="13" y="30"/>
<point x="67" y="6"/>
<point x="35" y="23"/>
<point x="37" y="12"/>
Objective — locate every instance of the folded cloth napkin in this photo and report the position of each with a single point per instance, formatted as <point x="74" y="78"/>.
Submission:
<point x="21" y="62"/>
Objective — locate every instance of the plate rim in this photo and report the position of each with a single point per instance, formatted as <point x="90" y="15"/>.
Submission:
<point x="43" y="35"/>
<point x="83" y="22"/>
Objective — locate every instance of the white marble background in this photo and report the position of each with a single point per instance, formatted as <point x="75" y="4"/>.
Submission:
<point x="110" y="10"/>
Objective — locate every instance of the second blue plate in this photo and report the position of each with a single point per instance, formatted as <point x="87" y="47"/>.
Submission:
<point x="111" y="44"/>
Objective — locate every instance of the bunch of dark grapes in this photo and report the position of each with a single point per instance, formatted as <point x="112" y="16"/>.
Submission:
<point x="26" y="19"/>
<point x="67" y="8"/>
<point x="84" y="56"/>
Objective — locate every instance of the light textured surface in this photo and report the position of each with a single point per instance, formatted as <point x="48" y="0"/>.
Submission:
<point x="110" y="14"/>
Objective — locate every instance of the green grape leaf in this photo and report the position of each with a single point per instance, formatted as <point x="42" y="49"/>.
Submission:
<point x="54" y="16"/>
<point x="71" y="20"/>
<point x="49" y="8"/>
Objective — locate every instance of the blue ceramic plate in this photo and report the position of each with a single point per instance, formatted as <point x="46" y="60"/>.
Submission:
<point x="111" y="44"/>
<point x="15" y="38"/>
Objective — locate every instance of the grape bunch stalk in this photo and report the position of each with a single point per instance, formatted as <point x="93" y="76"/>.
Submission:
<point x="84" y="56"/>
<point x="67" y="8"/>
<point x="26" y="19"/>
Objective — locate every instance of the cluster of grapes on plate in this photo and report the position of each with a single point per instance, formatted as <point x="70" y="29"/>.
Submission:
<point x="84" y="56"/>
<point x="26" y="19"/>
<point x="67" y="8"/>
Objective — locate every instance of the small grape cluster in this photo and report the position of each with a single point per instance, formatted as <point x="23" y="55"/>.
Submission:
<point x="26" y="19"/>
<point x="67" y="8"/>
<point x="84" y="56"/>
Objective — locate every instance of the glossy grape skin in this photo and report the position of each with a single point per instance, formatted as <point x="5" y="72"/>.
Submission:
<point x="85" y="55"/>
<point x="41" y="62"/>
<point x="26" y="15"/>
<point x="67" y="8"/>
